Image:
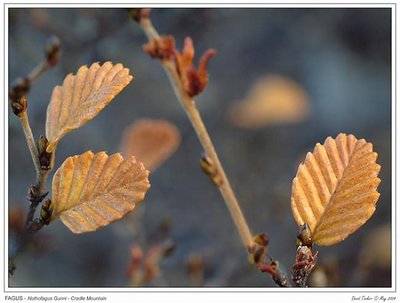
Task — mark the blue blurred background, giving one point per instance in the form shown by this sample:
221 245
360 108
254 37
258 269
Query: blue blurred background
341 57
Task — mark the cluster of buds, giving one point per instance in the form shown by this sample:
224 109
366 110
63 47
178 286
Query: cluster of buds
305 259
21 86
193 80
144 268
305 262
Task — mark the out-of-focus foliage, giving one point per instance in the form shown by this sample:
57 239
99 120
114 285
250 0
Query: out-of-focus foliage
272 100
150 141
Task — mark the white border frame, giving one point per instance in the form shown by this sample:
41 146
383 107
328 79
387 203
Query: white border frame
272 294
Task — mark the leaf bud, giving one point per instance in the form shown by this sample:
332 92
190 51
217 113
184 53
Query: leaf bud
46 212
304 236
261 239
18 90
44 157
52 51
209 168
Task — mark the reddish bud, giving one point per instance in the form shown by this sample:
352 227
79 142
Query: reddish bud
193 80
305 262
162 48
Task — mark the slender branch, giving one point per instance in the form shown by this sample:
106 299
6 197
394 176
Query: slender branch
38 71
23 117
193 114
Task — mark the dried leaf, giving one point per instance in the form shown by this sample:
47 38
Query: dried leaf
272 100
82 97
151 141
334 191
93 190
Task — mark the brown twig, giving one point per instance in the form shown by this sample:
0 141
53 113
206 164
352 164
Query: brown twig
188 103
42 160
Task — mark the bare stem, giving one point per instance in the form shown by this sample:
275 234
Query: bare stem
193 114
38 71
23 117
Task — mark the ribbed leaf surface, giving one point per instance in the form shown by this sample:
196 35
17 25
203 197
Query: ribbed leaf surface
82 97
334 191
93 190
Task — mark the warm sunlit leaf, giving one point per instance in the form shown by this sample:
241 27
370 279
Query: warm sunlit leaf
93 190
81 97
334 191
151 141
272 100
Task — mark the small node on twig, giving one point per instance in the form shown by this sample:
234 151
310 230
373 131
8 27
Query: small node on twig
45 158
272 268
18 90
46 212
52 51
35 195
258 251
209 168
138 14
19 106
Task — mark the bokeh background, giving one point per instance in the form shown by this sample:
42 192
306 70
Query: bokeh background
341 57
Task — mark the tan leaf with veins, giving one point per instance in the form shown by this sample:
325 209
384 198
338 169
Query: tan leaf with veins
92 190
81 97
151 141
335 189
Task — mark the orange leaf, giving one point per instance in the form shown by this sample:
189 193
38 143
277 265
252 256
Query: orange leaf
272 100
151 141
334 190
93 190
82 97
